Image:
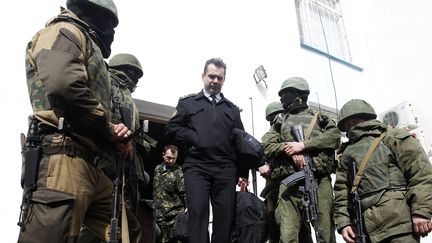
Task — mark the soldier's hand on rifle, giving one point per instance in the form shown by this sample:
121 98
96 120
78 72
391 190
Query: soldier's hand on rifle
292 148
121 132
348 234
264 170
299 161
421 225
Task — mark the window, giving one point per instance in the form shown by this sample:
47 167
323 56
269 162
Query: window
321 28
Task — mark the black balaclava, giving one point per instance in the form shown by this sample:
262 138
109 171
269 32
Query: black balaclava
294 100
132 75
100 22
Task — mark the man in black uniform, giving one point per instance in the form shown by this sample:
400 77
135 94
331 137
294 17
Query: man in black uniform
203 123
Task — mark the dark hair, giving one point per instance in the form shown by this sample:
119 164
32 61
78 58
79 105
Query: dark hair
217 61
171 147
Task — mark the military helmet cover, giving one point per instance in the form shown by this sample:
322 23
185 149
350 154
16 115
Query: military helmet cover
107 5
295 83
124 59
272 108
355 108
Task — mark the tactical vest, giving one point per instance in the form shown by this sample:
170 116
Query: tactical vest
323 161
96 71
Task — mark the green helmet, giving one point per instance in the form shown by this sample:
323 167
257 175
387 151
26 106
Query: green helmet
355 108
273 108
128 60
295 83
106 5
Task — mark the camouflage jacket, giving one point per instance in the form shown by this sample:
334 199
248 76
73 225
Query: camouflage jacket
320 146
168 193
268 137
67 77
121 96
395 185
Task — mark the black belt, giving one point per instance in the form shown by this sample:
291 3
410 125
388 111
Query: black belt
70 150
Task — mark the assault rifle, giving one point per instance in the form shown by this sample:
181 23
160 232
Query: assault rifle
125 114
31 151
309 190
356 211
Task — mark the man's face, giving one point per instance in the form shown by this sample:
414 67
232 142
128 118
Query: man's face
133 74
352 122
213 79
170 157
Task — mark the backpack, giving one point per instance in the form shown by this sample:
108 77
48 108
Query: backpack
250 219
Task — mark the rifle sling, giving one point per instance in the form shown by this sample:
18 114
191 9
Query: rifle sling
369 153
308 132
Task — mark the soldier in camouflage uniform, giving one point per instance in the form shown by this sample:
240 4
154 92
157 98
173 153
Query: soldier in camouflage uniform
287 158
125 70
396 187
168 192
273 112
68 81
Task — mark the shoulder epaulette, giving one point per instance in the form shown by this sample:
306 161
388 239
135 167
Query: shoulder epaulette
238 107
187 96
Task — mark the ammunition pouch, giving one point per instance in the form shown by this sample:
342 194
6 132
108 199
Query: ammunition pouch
324 163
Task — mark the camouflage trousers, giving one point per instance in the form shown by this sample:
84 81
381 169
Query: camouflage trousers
70 192
166 232
290 215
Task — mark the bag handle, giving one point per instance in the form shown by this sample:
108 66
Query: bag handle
243 186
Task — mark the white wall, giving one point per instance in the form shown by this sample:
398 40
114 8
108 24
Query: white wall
389 39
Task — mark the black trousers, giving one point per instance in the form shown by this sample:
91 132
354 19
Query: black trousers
217 183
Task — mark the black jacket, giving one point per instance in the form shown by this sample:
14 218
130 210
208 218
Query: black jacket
205 130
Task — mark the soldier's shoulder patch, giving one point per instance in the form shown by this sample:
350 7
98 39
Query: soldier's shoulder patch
187 96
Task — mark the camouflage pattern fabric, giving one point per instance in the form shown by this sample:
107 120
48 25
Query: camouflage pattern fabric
121 95
321 147
169 197
60 58
395 185
67 77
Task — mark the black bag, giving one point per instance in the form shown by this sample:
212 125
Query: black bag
180 231
250 150
250 220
